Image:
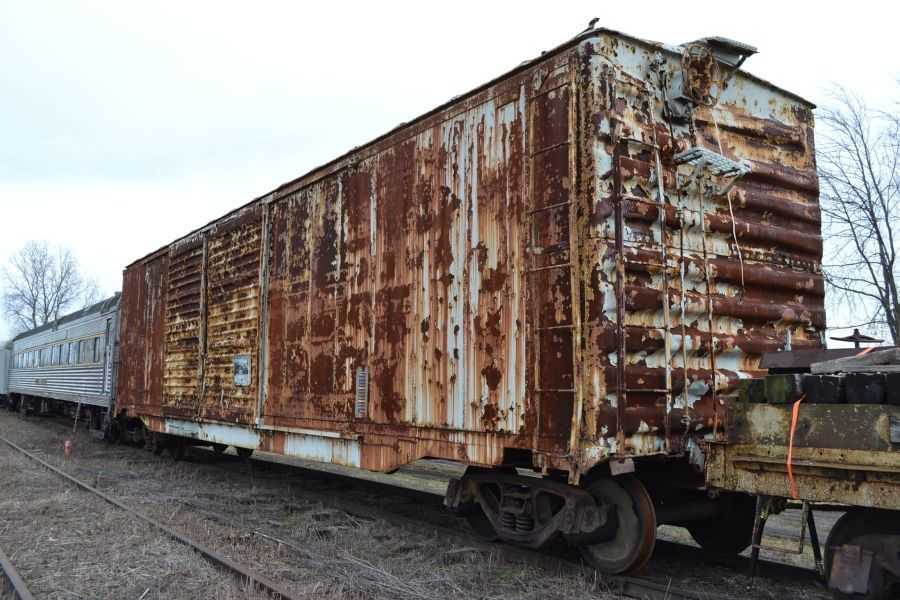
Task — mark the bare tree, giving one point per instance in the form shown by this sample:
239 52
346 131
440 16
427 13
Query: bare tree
41 284
859 170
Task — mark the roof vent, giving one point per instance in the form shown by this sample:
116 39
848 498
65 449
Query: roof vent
729 52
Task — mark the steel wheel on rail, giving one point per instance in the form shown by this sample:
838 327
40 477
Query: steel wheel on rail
114 432
480 525
731 531
635 538
155 443
177 448
873 531
244 453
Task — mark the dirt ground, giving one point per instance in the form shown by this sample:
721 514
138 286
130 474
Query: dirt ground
287 524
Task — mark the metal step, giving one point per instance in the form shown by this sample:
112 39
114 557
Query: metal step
718 165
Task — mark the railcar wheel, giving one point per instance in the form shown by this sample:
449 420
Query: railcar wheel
155 443
480 525
729 532
635 537
244 453
177 448
877 533
114 433
219 449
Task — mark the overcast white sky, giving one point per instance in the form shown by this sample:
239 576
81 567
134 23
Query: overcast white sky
126 124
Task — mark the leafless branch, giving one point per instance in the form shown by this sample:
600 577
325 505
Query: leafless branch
859 171
41 284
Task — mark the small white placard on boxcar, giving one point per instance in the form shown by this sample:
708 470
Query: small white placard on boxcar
242 370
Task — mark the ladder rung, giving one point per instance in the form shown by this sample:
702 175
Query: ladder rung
552 327
640 199
542 251
639 142
549 207
647 390
644 263
547 267
539 390
549 148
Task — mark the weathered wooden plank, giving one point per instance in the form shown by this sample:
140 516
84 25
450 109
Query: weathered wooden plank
782 389
892 389
864 388
752 390
824 389
891 356
868 369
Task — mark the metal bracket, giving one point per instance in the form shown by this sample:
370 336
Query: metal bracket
708 164
851 569
621 466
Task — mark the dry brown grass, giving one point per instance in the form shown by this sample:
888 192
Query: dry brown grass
69 544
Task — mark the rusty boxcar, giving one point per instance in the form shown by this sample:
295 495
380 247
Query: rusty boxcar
565 269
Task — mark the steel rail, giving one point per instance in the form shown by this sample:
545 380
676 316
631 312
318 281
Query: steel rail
19 589
251 576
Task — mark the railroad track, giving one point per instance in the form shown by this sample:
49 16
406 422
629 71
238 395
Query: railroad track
426 510
14 586
242 571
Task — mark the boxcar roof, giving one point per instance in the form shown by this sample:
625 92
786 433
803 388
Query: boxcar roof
101 307
597 32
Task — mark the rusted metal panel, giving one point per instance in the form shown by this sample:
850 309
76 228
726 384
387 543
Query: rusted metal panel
853 478
841 453
232 318
529 266
864 427
139 380
183 327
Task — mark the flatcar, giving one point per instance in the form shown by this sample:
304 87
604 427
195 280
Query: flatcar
823 430
565 270
67 365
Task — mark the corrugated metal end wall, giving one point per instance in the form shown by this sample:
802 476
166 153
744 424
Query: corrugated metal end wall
527 267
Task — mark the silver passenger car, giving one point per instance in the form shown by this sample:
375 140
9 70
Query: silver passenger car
70 360
5 354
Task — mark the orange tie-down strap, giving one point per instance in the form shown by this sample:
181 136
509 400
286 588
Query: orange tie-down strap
795 412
